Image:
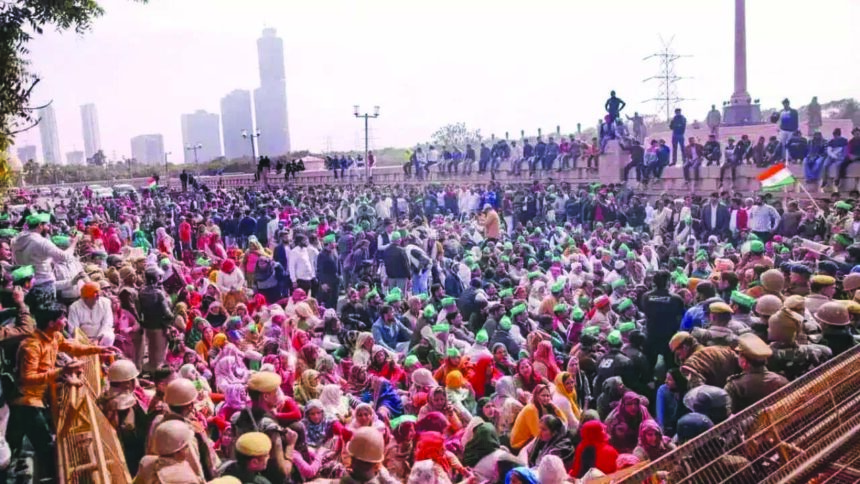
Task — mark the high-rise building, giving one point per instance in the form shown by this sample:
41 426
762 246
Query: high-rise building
50 138
236 116
90 124
270 99
203 129
75 158
27 153
148 149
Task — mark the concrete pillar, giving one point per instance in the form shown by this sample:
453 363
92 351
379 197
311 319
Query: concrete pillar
740 96
612 163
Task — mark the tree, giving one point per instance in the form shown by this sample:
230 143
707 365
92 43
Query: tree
456 135
20 20
98 159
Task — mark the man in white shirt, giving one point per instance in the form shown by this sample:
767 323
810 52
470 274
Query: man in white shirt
383 208
93 315
302 261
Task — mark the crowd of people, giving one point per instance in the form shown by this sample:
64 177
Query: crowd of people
437 333
824 161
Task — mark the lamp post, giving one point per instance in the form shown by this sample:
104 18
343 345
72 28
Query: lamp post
194 148
166 172
366 117
251 136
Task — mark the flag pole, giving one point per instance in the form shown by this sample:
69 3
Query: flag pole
802 187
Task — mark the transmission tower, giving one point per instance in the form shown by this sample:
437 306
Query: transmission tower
667 79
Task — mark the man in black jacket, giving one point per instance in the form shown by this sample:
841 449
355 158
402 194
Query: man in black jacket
328 273
711 151
615 363
663 312
156 317
484 160
637 160
396 262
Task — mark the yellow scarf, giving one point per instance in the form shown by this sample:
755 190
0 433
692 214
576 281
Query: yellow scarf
571 396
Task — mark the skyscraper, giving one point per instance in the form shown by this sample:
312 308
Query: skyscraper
50 139
204 129
235 117
270 99
149 149
27 153
90 124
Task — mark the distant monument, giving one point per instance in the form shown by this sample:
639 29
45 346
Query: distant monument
740 109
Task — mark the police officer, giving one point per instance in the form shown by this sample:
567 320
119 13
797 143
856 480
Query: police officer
722 331
835 327
850 284
173 460
798 280
765 307
822 289
756 382
772 282
615 363
125 412
263 392
789 358
708 365
180 396
252 457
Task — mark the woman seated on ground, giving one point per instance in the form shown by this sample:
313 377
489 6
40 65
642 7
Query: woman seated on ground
652 443
527 424
554 439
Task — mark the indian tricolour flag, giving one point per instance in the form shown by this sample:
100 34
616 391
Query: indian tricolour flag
776 177
151 183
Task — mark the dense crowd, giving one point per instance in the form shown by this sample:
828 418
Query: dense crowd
435 333
824 161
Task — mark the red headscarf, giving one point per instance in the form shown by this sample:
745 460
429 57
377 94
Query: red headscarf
228 266
544 354
479 377
594 434
431 445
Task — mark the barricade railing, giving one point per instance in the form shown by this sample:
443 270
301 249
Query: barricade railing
779 439
88 449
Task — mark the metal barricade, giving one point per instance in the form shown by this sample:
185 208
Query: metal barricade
88 449
782 438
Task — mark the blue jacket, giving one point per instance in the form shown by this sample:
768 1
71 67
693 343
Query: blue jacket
789 120
389 336
678 125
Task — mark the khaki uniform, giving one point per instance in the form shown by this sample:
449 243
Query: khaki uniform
205 459
166 470
713 364
815 301
720 335
750 387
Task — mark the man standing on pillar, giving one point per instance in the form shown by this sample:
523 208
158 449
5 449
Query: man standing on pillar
713 120
678 127
814 116
613 106
789 122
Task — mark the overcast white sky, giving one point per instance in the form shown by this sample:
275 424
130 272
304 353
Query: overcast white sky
496 65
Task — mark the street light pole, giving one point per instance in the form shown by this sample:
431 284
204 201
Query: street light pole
166 172
250 137
194 148
366 117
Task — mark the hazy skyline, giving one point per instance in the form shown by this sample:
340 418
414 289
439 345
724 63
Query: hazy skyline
496 66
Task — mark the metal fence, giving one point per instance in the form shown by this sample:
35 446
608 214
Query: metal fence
88 449
790 436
